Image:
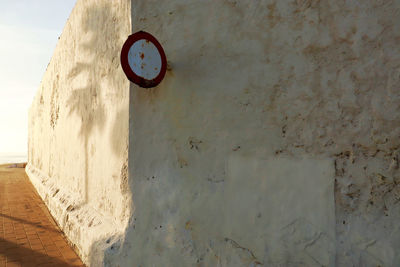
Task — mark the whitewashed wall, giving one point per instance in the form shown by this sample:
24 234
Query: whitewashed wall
78 128
272 141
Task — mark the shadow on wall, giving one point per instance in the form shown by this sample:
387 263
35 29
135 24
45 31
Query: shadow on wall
87 102
96 80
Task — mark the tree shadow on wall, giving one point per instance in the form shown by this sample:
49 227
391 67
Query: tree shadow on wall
95 72
86 101
97 49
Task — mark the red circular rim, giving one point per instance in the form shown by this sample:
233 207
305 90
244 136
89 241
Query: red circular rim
142 82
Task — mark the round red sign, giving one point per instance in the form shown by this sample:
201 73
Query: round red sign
143 60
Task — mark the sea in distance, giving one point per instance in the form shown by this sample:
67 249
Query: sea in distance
13 158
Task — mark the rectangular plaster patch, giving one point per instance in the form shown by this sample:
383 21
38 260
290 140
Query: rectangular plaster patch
287 207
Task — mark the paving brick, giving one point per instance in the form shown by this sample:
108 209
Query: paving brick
28 236
60 243
34 242
73 262
13 264
55 254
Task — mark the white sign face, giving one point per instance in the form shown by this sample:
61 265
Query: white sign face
144 59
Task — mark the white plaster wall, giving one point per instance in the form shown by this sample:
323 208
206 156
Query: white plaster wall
78 128
274 126
273 139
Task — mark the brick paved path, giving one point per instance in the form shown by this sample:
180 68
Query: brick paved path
28 234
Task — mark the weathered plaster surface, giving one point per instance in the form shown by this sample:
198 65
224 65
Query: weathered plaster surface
78 128
273 139
255 90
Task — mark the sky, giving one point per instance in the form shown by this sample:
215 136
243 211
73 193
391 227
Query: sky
29 31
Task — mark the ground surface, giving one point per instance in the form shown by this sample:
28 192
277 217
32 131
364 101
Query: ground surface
28 234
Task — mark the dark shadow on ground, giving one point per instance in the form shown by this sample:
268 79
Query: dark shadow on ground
38 225
26 256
